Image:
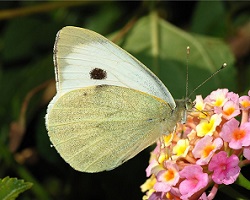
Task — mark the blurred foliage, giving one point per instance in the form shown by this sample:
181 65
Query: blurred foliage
157 33
10 188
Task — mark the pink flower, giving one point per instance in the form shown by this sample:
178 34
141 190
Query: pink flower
226 169
203 196
218 97
194 180
158 196
210 148
167 178
230 110
152 164
233 97
237 137
244 102
205 149
246 152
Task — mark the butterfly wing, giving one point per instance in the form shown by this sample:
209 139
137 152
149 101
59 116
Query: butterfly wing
84 58
98 128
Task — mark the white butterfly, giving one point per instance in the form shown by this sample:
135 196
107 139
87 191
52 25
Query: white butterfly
108 106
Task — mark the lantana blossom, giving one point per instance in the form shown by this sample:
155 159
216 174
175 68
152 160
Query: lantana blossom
217 98
244 102
205 152
237 137
207 127
181 148
167 178
205 149
230 110
246 152
226 169
194 180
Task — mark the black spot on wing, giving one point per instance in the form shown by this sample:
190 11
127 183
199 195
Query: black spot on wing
98 74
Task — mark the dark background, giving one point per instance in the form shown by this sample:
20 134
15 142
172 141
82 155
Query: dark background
27 35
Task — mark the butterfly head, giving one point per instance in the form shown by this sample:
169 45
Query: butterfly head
183 106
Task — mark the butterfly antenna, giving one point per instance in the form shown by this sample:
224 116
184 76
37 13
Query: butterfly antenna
222 67
188 51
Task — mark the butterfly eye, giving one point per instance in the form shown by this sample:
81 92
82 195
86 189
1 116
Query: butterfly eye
98 74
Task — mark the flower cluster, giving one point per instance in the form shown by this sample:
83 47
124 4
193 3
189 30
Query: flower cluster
206 151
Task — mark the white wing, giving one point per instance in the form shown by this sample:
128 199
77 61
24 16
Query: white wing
84 58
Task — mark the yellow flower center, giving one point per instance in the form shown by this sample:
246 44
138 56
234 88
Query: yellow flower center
208 126
218 102
181 147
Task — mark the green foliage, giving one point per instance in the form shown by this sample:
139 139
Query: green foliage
242 181
207 55
211 11
156 33
10 188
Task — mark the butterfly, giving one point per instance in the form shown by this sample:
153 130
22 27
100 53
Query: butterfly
108 106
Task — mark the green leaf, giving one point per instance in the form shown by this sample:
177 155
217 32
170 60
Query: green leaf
10 188
243 182
162 47
104 19
26 78
211 25
26 37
